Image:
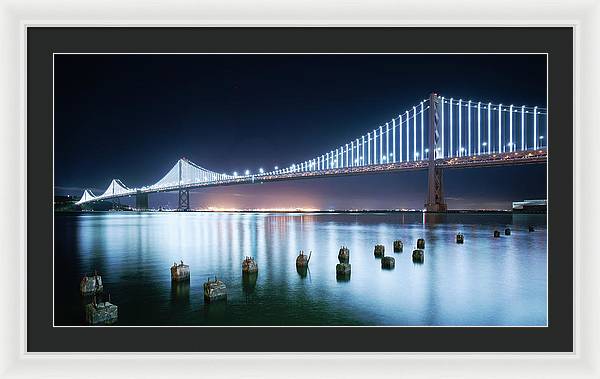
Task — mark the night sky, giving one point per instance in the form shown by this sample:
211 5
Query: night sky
133 116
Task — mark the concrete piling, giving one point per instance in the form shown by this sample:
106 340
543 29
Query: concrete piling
379 251
531 228
496 234
303 259
343 269
420 243
249 266
344 255
388 263
507 232
180 272
91 285
97 313
418 256
460 238
398 246
214 290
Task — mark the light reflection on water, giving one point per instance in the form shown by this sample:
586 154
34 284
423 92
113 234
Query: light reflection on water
486 281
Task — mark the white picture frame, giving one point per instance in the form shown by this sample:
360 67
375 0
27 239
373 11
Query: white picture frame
16 16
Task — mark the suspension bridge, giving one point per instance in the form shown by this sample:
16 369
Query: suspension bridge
436 134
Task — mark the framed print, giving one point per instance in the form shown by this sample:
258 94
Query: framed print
316 244
403 191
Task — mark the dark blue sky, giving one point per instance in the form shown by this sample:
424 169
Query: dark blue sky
132 116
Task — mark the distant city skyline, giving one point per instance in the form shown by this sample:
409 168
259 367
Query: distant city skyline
132 116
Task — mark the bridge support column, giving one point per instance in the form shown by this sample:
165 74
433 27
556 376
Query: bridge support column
184 200
116 203
141 201
435 194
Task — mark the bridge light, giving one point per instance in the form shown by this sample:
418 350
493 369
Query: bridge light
235 173
484 144
247 172
541 137
427 150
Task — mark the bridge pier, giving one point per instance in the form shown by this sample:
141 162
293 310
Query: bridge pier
116 203
435 194
184 200
141 201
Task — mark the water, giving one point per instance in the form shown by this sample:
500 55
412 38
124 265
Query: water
486 281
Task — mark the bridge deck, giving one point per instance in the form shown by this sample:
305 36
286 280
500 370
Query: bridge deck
484 160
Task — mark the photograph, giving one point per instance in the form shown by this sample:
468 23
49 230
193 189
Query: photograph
300 190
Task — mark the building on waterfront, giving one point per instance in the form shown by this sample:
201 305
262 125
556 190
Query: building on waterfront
530 206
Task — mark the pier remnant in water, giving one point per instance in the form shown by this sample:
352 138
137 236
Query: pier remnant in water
388 262
507 232
91 285
302 259
379 251
496 234
460 238
418 255
398 246
531 228
101 313
343 269
420 243
180 272
249 266
214 290
344 255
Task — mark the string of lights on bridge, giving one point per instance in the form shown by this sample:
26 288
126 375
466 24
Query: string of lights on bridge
374 146
464 128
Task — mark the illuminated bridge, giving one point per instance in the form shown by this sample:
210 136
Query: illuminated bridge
436 134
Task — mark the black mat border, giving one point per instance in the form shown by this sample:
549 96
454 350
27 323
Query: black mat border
43 41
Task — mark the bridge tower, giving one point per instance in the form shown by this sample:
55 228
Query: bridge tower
184 193
435 194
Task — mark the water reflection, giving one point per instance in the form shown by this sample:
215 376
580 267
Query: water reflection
302 271
180 292
249 282
485 281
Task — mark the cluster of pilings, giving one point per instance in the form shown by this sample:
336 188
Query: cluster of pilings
104 312
389 262
97 311
508 232
386 262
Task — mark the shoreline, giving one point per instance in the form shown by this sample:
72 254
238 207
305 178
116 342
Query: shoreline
371 211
